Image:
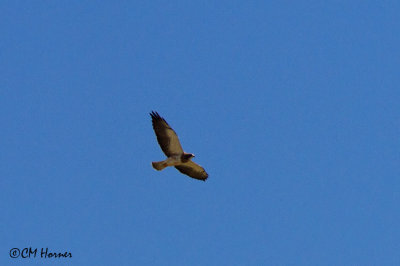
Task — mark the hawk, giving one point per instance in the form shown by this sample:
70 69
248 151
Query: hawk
172 148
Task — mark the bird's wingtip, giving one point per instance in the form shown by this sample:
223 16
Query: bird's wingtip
153 114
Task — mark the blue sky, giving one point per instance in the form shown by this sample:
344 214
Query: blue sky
292 108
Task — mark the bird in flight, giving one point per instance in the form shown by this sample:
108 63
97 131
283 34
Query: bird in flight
172 148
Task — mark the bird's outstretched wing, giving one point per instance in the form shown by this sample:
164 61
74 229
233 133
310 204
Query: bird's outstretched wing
166 136
193 170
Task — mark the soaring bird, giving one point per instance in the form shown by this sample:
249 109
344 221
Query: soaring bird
170 145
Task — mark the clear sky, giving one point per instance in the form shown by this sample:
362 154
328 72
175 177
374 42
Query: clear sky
292 107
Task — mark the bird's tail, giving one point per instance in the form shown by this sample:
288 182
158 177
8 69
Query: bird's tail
159 165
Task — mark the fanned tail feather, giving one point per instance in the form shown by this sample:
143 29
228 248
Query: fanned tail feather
159 165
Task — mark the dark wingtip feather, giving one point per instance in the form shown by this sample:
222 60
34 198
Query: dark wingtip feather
155 115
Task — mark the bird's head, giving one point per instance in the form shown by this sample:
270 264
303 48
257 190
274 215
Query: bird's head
188 156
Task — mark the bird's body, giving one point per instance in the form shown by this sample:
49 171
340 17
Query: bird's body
173 160
172 148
